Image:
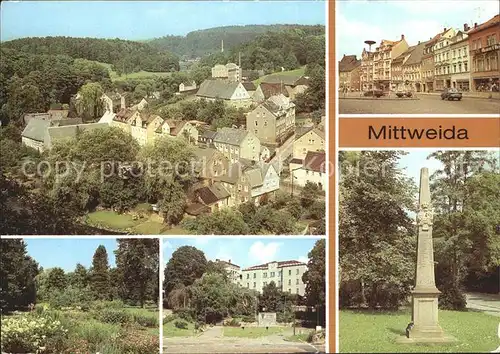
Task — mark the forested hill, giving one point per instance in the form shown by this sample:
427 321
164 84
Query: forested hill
208 41
122 54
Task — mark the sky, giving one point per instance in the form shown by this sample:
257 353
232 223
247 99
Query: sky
65 253
136 20
245 251
419 20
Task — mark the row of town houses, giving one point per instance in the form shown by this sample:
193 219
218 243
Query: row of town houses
467 59
234 165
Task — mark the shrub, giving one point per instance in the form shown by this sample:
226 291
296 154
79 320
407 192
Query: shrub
116 316
185 313
146 319
249 319
70 297
233 322
29 334
286 317
181 324
138 342
115 304
452 298
96 333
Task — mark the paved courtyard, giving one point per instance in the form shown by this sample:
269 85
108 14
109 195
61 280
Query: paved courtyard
213 341
426 104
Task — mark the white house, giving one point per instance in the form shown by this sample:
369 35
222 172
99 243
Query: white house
313 170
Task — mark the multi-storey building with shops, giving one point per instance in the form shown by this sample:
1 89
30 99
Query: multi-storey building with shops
366 70
382 59
460 63
484 48
412 69
442 60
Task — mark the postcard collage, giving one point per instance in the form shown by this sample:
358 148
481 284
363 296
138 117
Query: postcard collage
310 176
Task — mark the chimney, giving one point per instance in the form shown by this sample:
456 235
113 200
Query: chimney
402 36
418 42
475 25
229 261
466 27
217 260
444 29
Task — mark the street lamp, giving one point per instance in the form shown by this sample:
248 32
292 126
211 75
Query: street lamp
370 42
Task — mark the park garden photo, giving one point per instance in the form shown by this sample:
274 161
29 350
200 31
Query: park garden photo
419 251
244 295
79 296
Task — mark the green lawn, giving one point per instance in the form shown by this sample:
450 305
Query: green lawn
251 332
169 330
299 71
111 220
364 331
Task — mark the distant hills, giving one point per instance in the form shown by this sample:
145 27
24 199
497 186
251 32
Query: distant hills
208 41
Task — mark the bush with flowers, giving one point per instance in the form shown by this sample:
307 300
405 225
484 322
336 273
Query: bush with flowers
139 342
32 334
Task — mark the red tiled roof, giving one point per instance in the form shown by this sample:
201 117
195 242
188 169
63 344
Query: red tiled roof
315 161
495 20
281 264
270 89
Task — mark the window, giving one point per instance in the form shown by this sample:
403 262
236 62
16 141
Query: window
265 274
254 285
256 131
256 123
265 283
297 282
254 276
248 276
289 290
289 272
272 275
297 290
289 281
297 272
248 285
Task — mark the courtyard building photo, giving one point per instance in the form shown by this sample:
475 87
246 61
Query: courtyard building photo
241 295
418 251
397 58
75 295
166 129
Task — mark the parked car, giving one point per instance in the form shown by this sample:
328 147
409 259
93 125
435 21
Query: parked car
374 93
401 94
451 94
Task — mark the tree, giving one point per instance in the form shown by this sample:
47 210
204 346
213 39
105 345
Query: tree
17 275
315 275
99 274
56 280
465 219
376 235
185 266
222 222
271 299
137 262
23 98
308 194
89 104
80 279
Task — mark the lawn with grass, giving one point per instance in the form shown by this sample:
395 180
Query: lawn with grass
301 337
373 331
299 71
169 330
251 332
111 220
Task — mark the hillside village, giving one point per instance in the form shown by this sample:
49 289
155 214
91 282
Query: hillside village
248 141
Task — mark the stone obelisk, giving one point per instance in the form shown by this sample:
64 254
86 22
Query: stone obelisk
425 294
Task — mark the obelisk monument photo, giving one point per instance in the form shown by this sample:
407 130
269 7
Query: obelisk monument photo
425 327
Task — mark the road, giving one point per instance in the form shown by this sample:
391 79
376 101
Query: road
487 303
213 341
426 104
